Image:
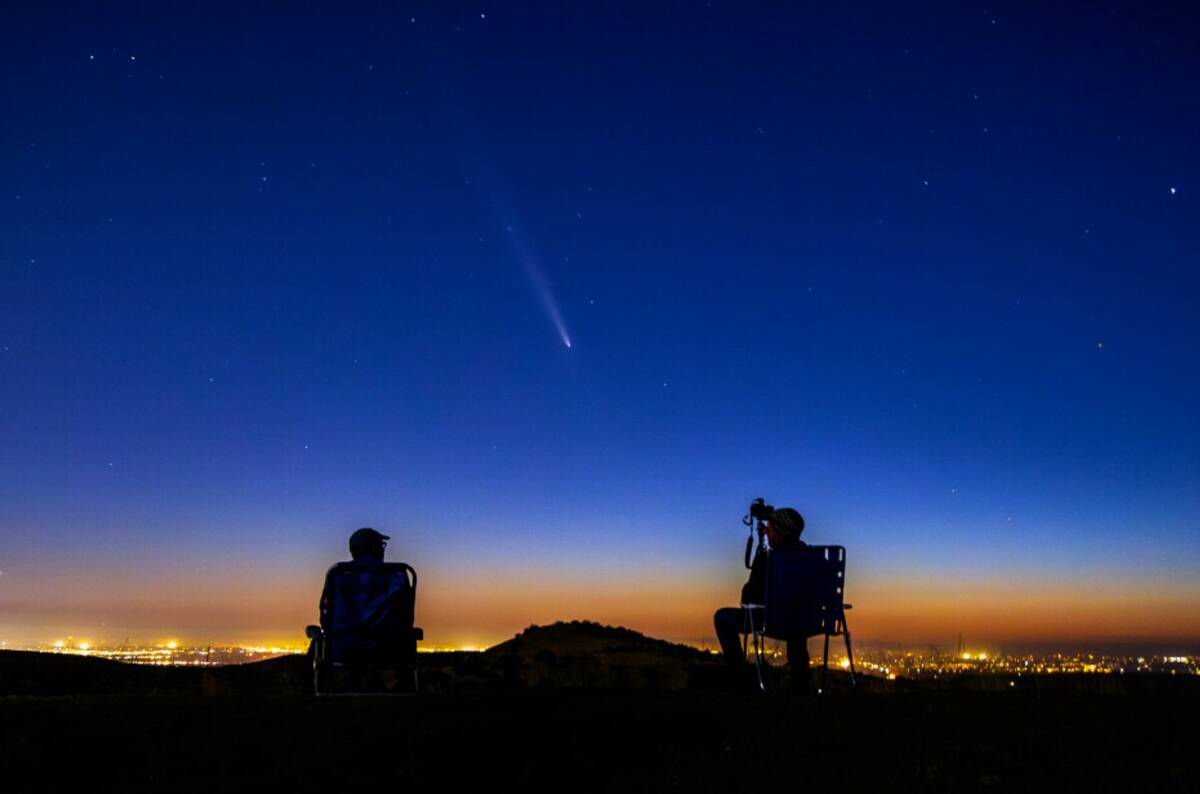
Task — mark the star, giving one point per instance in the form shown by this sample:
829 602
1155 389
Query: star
1173 191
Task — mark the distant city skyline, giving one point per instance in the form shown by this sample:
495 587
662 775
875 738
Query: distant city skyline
550 297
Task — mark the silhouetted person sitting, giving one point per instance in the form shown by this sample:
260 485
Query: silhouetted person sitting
783 528
366 616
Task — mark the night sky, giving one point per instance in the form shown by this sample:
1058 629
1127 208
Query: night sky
549 292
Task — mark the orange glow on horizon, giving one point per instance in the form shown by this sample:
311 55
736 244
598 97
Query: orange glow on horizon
483 609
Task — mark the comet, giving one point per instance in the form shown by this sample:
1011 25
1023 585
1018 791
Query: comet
541 287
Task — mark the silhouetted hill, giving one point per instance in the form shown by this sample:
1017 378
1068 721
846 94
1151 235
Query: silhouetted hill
575 654
585 636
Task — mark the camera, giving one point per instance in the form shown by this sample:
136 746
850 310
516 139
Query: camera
760 510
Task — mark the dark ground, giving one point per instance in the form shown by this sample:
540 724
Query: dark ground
487 725
594 740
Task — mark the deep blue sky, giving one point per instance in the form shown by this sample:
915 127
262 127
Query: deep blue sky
928 275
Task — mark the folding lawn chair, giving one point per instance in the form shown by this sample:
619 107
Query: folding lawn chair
366 643
805 586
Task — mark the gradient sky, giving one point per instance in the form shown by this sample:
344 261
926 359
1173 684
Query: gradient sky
929 276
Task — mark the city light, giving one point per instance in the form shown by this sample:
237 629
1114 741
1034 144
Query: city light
887 663
935 664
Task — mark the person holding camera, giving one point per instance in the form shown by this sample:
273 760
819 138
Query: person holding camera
783 526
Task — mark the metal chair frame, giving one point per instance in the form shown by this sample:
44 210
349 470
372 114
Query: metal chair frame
833 617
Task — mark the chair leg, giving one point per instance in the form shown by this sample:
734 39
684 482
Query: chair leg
849 654
319 677
747 630
752 633
825 666
758 660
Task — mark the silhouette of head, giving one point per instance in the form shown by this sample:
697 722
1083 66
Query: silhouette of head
367 544
787 523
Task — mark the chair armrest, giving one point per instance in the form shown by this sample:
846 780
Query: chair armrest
314 632
847 606
418 633
754 606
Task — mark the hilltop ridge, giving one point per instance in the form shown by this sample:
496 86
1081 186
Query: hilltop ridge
577 653
590 636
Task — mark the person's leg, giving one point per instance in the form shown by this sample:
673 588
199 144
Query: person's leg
797 656
730 623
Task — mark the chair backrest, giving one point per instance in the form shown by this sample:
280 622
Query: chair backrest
370 611
804 592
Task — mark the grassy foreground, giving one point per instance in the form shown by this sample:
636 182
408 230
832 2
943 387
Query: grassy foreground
597 740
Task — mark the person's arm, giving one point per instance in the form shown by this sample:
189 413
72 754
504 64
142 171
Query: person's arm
753 590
